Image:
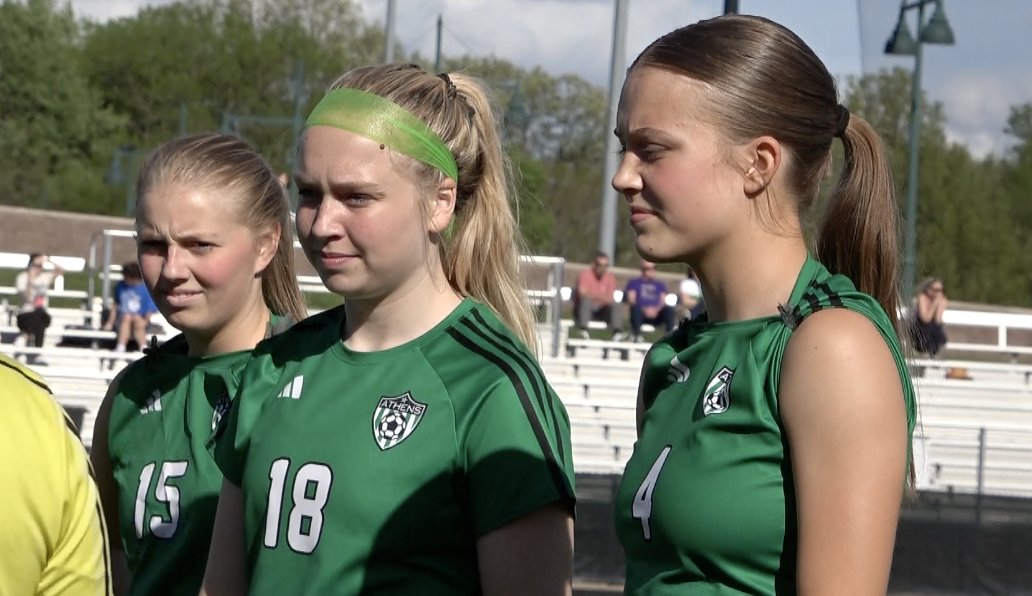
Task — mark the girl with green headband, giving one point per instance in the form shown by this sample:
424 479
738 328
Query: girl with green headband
405 442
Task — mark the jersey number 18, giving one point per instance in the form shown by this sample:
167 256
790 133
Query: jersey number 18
310 492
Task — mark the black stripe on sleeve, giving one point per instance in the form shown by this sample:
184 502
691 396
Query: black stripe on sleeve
812 302
521 391
28 378
108 589
530 369
833 297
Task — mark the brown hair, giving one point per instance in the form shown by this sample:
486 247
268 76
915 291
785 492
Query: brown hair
245 180
769 82
481 252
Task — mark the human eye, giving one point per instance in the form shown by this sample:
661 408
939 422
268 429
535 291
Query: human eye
200 246
650 153
358 199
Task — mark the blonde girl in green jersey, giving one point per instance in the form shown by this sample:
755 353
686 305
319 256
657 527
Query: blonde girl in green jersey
773 431
405 442
215 248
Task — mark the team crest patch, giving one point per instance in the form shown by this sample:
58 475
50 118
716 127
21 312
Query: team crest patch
395 419
716 398
220 410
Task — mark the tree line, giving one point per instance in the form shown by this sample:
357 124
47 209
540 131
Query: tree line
82 102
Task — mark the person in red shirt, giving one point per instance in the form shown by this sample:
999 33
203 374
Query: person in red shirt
593 298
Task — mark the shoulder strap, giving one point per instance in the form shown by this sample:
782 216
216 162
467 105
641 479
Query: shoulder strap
818 295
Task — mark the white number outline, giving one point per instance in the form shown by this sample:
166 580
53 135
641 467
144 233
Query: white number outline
163 493
641 506
302 506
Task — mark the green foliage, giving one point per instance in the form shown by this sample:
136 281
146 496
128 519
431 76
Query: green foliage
559 151
55 132
77 98
1019 123
257 67
970 231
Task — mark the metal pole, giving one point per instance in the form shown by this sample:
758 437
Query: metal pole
981 472
182 118
437 51
607 219
910 217
295 122
105 290
388 42
557 304
730 6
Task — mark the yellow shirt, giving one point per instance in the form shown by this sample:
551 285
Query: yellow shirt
52 534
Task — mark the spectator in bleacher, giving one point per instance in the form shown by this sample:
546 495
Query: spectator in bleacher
215 251
33 285
594 297
927 330
52 539
773 430
415 415
646 297
132 309
691 303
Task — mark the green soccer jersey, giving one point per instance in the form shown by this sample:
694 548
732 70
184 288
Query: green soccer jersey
162 420
376 472
706 502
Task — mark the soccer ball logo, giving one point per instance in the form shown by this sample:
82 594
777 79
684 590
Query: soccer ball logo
395 419
392 426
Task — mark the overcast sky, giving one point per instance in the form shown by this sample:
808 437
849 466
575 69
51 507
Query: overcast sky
977 80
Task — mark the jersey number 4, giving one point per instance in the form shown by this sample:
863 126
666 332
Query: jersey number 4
165 493
310 491
641 508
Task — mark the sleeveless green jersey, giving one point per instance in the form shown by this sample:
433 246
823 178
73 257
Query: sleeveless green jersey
376 472
706 503
161 448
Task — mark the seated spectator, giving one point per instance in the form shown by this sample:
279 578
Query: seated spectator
646 297
593 298
132 309
927 331
691 302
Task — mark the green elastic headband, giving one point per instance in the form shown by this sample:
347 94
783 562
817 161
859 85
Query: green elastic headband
383 121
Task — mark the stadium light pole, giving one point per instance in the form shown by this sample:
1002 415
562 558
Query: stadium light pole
901 43
388 34
116 173
617 68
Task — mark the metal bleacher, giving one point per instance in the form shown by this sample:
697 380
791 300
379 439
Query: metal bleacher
974 434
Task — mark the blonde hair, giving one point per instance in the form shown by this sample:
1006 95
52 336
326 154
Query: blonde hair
251 189
480 253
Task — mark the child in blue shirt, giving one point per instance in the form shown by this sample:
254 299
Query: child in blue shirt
132 309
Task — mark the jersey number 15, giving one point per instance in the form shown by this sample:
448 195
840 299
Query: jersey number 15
164 493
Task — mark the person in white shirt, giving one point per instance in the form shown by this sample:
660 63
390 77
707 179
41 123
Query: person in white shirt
33 285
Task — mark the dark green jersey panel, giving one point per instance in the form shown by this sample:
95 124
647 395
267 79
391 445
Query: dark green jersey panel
375 473
706 503
162 458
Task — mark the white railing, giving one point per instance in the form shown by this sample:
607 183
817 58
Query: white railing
1001 322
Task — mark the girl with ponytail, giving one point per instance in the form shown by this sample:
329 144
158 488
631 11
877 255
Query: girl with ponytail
405 442
216 252
778 465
